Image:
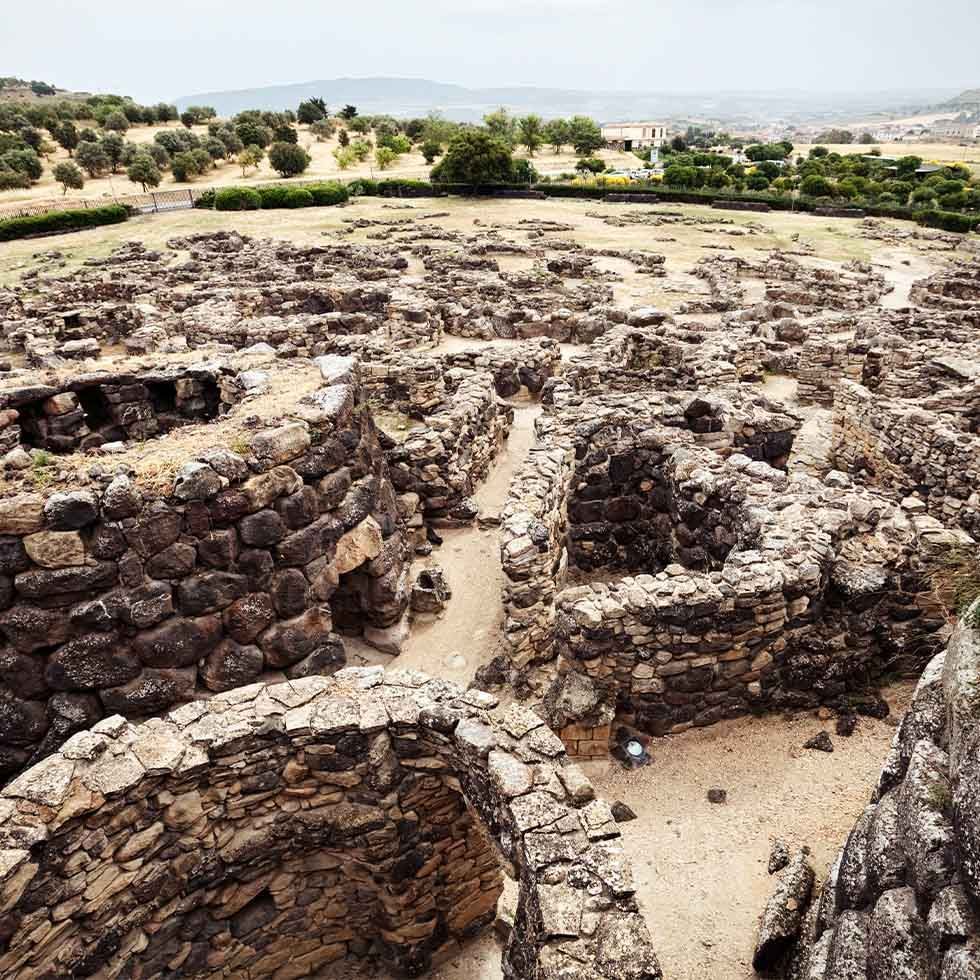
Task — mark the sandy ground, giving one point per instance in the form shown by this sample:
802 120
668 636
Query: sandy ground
901 267
466 635
700 868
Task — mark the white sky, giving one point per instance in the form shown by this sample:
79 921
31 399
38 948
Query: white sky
161 51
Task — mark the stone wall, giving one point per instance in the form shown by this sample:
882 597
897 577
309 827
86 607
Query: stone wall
781 593
632 357
274 830
908 447
901 901
592 494
955 289
120 598
533 551
444 460
100 407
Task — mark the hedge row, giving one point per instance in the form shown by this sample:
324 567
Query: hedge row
949 220
395 188
54 222
274 196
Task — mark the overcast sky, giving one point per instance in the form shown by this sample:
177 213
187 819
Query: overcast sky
161 51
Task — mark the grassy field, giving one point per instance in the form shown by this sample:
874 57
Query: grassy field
323 165
930 152
682 244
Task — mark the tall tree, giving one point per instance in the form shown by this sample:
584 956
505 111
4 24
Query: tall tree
475 158
531 128
585 135
556 132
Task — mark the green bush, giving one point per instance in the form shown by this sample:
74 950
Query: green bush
298 197
273 196
206 199
363 187
288 159
400 187
11 180
329 192
948 220
237 199
58 221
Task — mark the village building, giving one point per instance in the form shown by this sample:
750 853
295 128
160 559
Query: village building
634 135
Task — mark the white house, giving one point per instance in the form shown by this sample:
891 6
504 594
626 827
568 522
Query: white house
957 128
634 135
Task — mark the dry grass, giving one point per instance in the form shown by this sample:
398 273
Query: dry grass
930 152
955 581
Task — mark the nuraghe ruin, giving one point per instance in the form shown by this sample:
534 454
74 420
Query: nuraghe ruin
226 466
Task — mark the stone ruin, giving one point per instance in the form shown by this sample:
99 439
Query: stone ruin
276 829
129 597
715 583
201 787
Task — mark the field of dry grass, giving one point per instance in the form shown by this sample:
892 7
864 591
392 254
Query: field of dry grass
323 165
682 243
930 152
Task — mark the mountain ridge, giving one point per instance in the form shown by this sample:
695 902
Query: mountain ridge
418 96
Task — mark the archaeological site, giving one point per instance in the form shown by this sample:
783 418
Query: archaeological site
480 588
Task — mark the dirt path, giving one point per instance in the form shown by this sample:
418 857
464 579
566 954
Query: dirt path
901 267
700 868
466 636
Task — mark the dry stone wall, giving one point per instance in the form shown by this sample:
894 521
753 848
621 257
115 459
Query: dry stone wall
274 830
94 408
779 593
121 599
592 493
444 460
909 448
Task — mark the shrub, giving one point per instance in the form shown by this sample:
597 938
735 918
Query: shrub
329 192
273 196
24 161
185 166
298 197
345 156
116 121
54 222
205 199
948 220
288 159
13 180
250 157
384 157
69 176
816 186
396 187
236 199
363 187
323 129
592 165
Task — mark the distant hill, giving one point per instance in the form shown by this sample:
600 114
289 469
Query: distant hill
965 100
416 97
21 90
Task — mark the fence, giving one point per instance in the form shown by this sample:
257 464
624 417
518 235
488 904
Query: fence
151 203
